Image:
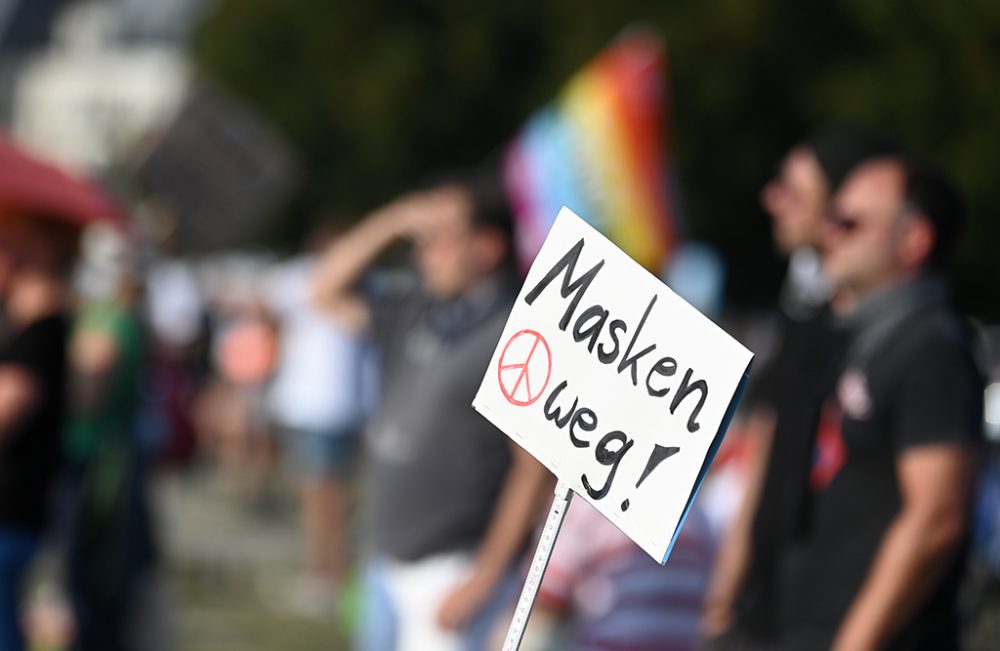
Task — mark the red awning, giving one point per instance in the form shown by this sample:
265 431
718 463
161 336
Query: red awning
32 187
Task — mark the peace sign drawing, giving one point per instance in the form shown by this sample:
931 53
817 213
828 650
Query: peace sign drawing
525 367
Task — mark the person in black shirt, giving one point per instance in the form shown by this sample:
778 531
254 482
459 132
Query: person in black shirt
32 380
743 604
881 555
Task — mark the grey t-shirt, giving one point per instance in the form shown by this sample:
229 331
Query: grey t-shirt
435 466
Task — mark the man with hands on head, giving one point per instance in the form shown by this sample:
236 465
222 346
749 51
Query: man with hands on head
450 502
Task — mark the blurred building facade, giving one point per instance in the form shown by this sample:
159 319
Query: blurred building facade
107 88
85 81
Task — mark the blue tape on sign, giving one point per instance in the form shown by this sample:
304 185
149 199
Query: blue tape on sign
716 443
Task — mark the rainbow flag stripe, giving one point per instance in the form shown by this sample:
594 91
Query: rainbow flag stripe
599 149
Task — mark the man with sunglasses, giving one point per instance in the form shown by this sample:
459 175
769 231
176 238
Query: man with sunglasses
885 521
743 605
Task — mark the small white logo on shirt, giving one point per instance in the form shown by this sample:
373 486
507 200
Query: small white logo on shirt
390 444
853 395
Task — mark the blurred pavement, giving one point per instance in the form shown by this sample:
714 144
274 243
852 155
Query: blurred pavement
230 564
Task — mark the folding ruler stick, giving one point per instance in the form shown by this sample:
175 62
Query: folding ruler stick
543 552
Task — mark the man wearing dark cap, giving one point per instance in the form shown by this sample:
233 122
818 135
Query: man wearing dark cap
879 556
742 610
798 201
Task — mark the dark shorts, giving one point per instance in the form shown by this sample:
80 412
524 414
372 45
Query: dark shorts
325 453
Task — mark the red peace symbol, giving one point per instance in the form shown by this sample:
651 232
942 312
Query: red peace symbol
525 367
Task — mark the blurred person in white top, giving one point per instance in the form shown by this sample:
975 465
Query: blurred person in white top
319 399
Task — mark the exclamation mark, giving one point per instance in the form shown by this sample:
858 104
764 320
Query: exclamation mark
658 455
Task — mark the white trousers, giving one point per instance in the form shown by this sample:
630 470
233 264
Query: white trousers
418 589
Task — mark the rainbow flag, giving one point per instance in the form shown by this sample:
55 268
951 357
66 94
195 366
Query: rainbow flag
599 149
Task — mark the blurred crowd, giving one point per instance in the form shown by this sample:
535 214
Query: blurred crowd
852 507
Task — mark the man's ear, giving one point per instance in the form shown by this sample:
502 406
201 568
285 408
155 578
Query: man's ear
918 242
490 248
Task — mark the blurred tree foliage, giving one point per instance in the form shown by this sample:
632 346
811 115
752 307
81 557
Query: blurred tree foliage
376 95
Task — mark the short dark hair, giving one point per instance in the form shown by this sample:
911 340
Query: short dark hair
491 211
489 206
484 188
842 146
931 194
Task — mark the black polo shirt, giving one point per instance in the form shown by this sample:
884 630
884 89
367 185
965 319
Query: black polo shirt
801 375
29 452
920 386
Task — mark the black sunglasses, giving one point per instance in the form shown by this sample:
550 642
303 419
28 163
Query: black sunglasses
843 223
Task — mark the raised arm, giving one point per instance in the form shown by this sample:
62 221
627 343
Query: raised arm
344 261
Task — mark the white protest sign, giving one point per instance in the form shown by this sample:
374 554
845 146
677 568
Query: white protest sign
615 383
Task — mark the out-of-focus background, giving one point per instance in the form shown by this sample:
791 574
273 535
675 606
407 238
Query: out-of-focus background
230 134
365 98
